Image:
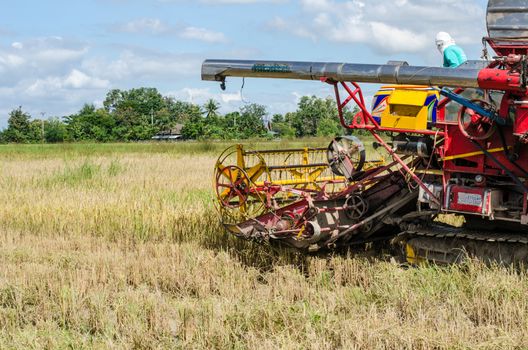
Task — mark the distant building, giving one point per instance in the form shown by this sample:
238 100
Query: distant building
172 134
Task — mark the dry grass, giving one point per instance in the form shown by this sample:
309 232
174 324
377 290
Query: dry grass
103 248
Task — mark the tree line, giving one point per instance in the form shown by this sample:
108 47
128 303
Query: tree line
139 114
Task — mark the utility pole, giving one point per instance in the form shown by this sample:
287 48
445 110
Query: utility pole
42 114
151 117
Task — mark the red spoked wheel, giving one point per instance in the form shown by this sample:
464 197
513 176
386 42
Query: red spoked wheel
474 126
232 186
238 198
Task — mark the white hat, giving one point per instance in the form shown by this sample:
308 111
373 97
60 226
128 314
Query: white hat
443 40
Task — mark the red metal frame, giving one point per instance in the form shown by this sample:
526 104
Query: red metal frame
356 95
505 47
455 143
368 121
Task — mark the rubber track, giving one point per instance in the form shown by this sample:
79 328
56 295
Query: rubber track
447 244
441 231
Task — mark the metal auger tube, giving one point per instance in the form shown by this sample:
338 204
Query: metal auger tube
400 73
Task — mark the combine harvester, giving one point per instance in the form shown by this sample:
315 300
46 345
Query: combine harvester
447 154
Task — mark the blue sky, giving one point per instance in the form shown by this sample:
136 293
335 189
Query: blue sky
56 55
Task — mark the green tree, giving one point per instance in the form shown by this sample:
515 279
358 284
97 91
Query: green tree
180 111
230 124
55 130
251 121
91 124
20 129
277 118
311 110
36 133
211 108
194 126
283 129
136 112
213 128
329 127
143 101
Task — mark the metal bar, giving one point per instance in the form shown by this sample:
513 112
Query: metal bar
471 154
411 131
525 203
441 104
219 70
360 102
340 106
297 166
515 179
517 27
371 176
469 104
331 209
290 150
511 9
333 180
406 168
378 213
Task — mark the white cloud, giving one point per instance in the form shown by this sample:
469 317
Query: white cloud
74 80
155 26
194 95
79 80
228 101
11 61
229 2
144 25
39 58
147 65
228 98
282 24
316 5
46 74
387 26
240 2
57 55
202 34
392 39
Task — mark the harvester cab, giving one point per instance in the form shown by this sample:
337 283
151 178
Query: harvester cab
456 143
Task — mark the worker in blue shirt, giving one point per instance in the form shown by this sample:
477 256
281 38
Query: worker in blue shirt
454 56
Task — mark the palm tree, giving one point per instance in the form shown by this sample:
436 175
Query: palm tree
211 108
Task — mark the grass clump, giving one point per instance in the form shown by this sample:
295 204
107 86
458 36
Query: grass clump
85 173
73 174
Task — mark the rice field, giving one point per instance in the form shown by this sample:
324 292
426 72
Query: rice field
118 246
